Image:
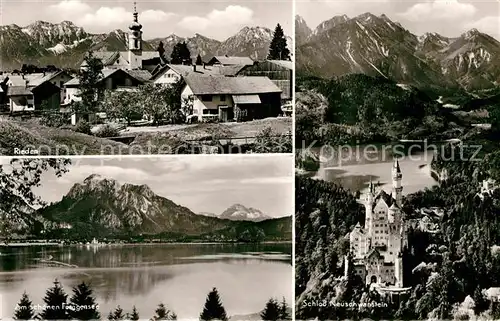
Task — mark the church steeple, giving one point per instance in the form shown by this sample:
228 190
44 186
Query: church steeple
397 189
135 42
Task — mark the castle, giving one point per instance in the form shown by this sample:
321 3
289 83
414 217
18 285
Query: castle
376 249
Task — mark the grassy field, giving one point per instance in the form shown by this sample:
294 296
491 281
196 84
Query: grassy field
26 135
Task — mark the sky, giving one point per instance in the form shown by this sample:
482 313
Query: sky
218 19
447 17
201 183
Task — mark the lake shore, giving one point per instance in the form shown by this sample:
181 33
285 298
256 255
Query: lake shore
43 243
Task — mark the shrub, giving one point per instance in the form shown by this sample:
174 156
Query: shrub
107 131
53 120
83 127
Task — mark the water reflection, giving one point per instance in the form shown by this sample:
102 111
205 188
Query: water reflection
180 275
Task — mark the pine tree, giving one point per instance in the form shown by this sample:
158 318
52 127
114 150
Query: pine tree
284 310
88 78
55 301
213 309
111 317
278 48
180 54
135 314
163 314
199 61
82 297
118 314
24 309
271 312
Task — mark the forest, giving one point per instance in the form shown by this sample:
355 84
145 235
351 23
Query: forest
357 108
448 272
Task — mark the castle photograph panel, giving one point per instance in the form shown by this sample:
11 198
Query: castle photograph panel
168 238
397 158
80 77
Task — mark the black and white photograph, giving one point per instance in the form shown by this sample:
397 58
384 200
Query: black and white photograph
397 137
82 77
172 238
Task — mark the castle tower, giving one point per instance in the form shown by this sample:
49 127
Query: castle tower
398 269
135 43
397 189
369 198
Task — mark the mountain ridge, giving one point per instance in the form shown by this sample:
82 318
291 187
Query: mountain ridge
100 207
375 45
64 44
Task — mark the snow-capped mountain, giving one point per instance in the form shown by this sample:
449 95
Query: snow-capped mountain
65 44
238 212
378 46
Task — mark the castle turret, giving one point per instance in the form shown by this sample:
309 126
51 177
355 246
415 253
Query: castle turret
135 42
398 269
397 189
369 198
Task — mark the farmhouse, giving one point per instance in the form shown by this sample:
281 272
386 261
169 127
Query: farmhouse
112 79
232 98
27 92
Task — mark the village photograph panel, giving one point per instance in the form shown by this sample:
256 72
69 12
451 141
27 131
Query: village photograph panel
397 160
171 238
82 77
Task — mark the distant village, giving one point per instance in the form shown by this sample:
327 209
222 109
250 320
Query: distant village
222 89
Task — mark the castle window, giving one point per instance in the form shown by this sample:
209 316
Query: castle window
136 43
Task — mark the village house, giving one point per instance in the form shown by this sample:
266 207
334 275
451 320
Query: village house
169 74
279 71
230 61
29 92
112 79
231 98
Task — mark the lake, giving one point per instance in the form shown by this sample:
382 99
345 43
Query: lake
178 275
354 168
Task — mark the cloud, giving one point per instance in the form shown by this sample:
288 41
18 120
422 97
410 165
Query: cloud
103 17
440 10
229 18
489 25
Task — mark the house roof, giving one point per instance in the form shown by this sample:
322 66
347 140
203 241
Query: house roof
388 199
283 63
140 74
32 80
18 91
234 60
211 85
110 57
185 70
105 74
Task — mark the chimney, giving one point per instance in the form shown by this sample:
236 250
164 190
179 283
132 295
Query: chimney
194 67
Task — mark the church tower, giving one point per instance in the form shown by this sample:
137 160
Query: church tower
397 189
135 43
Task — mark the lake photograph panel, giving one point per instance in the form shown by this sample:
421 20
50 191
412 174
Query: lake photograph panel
146 236
86 77
397 160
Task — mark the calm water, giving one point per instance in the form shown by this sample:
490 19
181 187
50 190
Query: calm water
178 275
355 168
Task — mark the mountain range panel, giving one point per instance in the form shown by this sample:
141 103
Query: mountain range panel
65 44
101 207
377 46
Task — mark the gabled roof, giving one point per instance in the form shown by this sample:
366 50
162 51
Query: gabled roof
140 74
234 60
32 80
105 74
373 253
184 70
211 85
18 91
387 198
